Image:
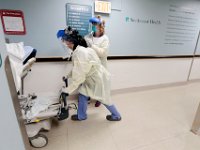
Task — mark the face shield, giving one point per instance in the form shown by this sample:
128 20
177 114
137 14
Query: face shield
67 52
94 22
94 28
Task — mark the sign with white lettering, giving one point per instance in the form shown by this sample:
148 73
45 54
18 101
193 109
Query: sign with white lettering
103 7
13 22
78 17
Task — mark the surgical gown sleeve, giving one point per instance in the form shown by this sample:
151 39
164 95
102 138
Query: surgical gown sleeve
101 50
79 71
88 39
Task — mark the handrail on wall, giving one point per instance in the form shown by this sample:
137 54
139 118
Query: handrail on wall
60 59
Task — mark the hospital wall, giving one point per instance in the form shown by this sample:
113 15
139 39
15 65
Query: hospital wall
44 18
128 74
128 38
11 138
195 71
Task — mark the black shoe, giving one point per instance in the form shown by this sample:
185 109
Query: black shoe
109 117
89 100
64 114
75 118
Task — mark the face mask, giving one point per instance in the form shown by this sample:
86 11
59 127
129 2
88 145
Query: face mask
94 28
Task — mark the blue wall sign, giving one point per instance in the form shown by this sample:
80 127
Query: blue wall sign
78 17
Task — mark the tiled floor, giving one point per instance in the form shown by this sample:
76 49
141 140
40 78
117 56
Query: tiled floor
158 119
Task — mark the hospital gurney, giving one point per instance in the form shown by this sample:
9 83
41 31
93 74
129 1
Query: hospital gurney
37 110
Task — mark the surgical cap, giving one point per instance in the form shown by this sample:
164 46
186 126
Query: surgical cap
95 20
60 33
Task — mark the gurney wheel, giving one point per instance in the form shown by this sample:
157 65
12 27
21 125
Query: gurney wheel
38 141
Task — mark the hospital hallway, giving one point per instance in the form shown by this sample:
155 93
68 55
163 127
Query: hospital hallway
153 119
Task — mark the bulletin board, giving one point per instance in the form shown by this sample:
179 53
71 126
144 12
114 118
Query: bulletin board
13 22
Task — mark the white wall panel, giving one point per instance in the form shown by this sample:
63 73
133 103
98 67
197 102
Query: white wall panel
195 72
147 72
47 77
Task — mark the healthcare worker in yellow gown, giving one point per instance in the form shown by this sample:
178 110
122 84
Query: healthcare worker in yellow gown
98 41
89 76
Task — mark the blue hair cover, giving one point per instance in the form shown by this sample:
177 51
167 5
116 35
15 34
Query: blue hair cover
60 33
95 20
